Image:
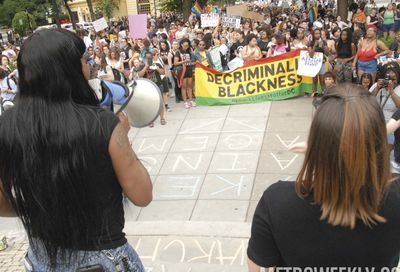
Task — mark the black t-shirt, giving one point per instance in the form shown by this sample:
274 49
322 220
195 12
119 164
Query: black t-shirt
185 56
153 74
396 116
237 46
287 232
263 45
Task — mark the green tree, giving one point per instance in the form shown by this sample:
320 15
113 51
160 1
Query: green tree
39 8
343 9
23 22
185 6
65 2
106 8
172 5
90 6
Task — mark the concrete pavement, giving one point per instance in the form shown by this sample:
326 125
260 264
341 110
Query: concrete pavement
209 167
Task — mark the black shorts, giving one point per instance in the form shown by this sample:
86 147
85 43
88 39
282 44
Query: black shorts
188 72
164 85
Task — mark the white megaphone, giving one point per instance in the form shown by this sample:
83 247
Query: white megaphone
140 100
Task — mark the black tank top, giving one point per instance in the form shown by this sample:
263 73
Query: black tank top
373 18
107 192
344 51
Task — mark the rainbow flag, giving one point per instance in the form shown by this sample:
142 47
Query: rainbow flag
215 9
196 9
313 14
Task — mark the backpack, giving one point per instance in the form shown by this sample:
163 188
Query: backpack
113 92
8 83
118 76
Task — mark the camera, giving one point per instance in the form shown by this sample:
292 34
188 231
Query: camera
386 81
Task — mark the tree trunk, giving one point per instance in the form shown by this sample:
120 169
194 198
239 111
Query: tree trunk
70 14
343 9
90 5
55 13
186 9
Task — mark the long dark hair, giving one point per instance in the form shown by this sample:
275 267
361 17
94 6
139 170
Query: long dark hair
345 46
45 144
184 40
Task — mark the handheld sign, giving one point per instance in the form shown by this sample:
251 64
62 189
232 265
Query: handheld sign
310 66
138 26
231 21
100 24
209 20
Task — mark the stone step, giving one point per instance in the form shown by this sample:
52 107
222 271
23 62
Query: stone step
188 228
190 246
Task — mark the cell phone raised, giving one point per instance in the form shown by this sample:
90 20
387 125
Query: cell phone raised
91 268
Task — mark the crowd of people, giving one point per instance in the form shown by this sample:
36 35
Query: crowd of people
359 44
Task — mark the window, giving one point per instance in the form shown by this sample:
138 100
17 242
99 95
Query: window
143 8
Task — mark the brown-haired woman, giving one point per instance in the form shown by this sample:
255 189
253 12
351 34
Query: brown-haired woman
104 71
343 205
115 60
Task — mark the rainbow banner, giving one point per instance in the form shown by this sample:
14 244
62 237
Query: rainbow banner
196 9
268 79
313 14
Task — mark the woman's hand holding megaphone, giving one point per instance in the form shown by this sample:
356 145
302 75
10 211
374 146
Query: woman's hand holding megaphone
124 121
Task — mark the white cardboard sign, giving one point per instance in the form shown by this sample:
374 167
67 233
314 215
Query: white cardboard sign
310 66
100 24
209 20
231 21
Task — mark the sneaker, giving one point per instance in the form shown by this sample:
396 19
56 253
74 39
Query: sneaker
193 103
187 105
168 109
177 100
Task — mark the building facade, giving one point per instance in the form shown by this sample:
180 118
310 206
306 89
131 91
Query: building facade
80 10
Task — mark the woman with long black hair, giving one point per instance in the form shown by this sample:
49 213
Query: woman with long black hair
345 52
65 163
183 63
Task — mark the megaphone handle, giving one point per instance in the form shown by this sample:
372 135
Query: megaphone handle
127 99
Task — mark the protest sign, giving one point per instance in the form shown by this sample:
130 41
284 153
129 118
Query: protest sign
253 15
231 21
122 34
241 10
209 20
237 10
310 66
216 58
268 79
100 24
138 26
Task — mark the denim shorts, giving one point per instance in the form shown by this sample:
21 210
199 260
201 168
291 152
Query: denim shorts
370 67
124 257
387 28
